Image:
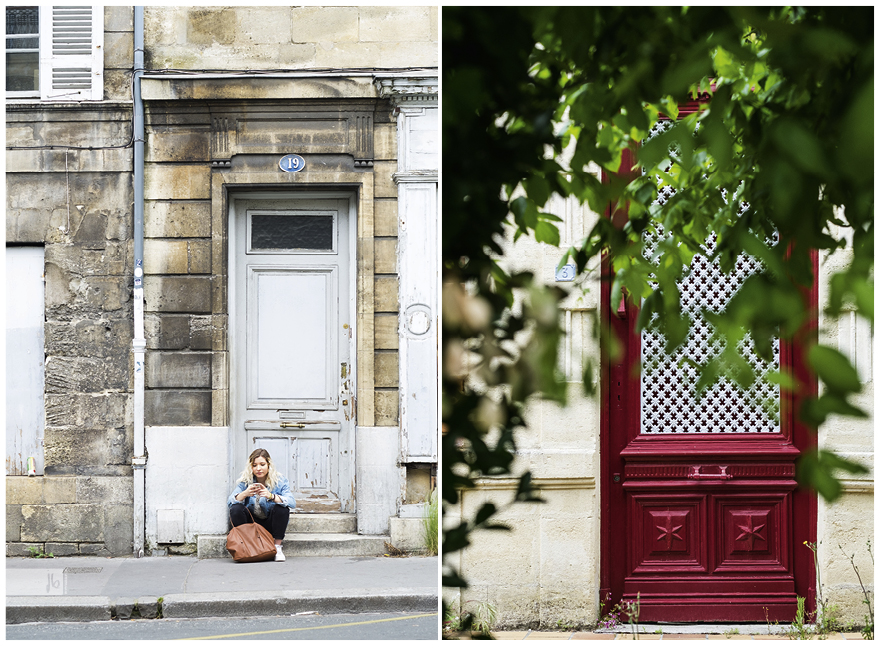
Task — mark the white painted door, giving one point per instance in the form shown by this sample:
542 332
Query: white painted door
291 371
25 358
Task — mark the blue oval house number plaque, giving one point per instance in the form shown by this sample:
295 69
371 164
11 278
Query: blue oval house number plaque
292 163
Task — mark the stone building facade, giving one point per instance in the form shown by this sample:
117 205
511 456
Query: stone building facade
546 571
317 342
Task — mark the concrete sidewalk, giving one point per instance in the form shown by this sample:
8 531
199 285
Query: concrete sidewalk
98 588
715 635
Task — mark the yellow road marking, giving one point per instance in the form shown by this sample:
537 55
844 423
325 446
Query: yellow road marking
304 629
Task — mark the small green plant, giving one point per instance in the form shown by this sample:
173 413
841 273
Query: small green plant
479 619
631 610
658 631
734 631
799 629
868 629
36 551
431 523
451 619
827 616
611 618
483 617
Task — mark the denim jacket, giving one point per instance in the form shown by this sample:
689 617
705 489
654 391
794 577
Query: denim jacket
282 489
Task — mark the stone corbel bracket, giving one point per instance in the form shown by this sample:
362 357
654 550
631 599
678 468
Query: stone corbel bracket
221 146
363 140
408 91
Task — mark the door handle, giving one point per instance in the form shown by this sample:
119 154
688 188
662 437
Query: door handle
293 425
696 473
621 308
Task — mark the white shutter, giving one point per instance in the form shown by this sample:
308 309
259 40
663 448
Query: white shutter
71 53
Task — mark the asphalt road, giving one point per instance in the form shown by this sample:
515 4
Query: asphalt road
403 626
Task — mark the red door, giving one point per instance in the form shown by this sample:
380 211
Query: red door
701 517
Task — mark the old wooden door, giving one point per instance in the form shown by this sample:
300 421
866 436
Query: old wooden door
292 375
701 517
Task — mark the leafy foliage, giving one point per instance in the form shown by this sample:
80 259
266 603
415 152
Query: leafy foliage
777 162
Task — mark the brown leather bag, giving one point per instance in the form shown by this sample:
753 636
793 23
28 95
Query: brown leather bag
250 542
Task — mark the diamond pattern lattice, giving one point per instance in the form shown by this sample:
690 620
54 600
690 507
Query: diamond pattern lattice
669 403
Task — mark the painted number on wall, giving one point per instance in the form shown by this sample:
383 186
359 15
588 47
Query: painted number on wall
292 163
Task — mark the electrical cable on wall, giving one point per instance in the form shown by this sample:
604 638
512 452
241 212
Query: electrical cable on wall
67 174
231 73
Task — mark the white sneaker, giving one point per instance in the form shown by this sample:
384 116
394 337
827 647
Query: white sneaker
279 554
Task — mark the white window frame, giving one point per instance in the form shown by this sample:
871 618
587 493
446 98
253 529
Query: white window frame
69 45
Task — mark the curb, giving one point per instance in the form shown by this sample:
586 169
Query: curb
284 603
84 609
56 609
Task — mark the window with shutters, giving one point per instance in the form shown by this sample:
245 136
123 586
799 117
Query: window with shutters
55 53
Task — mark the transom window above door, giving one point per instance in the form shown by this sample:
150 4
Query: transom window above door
314 231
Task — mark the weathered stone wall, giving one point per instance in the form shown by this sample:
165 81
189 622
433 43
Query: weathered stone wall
237 38
68 515
77 203
118 52
846 526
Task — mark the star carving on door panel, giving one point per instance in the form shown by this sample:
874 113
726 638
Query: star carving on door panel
669 531
750 531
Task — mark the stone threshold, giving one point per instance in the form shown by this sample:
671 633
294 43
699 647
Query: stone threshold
659 632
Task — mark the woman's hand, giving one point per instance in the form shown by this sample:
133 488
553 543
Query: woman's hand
249 491
266 493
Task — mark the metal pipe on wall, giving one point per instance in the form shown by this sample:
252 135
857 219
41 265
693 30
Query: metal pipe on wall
139 343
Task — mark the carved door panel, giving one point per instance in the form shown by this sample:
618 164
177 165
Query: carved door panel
702 519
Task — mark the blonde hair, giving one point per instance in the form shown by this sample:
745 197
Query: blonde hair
247 476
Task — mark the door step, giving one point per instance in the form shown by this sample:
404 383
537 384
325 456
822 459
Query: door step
322 523
307 545
312 535
334 544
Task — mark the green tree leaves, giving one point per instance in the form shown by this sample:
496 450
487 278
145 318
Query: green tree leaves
777 162
820 471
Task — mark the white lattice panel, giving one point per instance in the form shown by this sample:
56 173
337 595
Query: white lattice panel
669 403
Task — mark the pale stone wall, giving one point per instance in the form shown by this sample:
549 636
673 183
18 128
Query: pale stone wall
237 38
545 570
846 526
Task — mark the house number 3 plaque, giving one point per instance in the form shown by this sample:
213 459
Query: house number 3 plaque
292 163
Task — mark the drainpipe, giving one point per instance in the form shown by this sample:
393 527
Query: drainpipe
139 343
